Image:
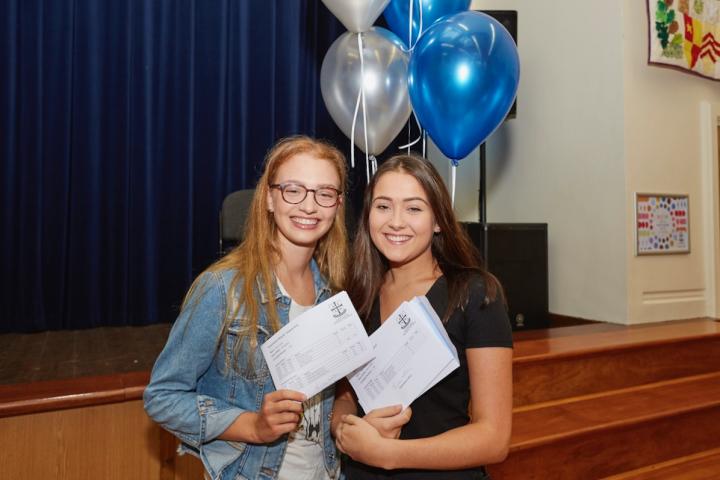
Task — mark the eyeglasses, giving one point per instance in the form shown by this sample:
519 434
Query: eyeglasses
294 193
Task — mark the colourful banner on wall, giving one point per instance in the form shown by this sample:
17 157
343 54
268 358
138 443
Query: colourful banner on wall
685 34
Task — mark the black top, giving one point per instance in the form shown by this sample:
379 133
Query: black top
445 406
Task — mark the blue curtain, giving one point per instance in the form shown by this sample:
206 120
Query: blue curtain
123 125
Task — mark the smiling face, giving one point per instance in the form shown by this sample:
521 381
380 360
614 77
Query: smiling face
304 223
401 220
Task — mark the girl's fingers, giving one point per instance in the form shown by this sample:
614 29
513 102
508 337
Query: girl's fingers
351 419
401 419
279 395
282 418
390 411
276 406
287 406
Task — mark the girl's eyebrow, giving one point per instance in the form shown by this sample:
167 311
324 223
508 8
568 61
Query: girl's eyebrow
303 184
404 200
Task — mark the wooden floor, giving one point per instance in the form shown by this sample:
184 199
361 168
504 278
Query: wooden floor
590 401
67 354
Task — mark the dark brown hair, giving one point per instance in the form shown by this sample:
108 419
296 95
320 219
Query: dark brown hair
452 249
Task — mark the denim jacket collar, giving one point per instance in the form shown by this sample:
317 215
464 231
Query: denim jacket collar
321 286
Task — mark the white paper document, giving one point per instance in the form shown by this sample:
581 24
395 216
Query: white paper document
318 348
412 353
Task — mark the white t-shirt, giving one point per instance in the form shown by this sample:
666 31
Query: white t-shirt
304 457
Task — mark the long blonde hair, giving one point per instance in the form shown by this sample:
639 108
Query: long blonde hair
256 256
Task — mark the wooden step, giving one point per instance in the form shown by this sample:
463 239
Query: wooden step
596 358
700 466
603 434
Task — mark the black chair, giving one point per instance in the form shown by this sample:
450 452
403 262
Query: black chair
233 213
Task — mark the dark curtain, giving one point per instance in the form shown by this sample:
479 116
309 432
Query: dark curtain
123 126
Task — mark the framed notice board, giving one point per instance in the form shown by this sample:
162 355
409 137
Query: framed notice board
662 223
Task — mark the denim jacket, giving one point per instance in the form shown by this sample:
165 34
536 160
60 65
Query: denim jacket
194 396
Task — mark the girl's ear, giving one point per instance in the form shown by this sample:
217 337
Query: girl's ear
270 205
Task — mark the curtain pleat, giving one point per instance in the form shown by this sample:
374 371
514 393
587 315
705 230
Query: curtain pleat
123 126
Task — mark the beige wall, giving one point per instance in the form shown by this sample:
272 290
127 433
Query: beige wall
561 160
595 125
664 153
710 119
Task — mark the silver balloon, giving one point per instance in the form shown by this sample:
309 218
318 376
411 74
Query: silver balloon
356 15
385 83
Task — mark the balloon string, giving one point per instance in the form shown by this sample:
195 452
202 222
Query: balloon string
420 136
420 23
352 130
410 8
453 171
410 144
364 105
360 97
410 44
352 138
424 146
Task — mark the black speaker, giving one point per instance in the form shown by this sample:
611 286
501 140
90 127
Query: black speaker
508 19
516 253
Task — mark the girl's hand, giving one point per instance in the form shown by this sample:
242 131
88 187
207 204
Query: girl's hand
357 438
279 414
388 421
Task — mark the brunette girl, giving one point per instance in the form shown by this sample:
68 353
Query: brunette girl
409 244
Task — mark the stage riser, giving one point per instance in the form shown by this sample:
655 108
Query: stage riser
616 450
549 379
702 466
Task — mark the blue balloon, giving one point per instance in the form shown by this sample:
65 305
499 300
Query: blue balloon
397 15
463 77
